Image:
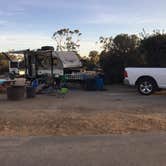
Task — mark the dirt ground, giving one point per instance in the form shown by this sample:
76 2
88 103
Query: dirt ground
117 110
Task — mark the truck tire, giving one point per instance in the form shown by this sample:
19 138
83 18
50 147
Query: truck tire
146 86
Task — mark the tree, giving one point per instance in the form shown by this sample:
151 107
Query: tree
125 43
67 40
153 49
94 57
86 63
119 52
106 43
92 61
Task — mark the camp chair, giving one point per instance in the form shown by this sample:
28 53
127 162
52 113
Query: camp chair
62 92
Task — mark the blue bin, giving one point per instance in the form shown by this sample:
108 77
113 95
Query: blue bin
35 84
99 84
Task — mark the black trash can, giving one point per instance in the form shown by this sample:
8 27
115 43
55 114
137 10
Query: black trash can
30 92
90 84
16 92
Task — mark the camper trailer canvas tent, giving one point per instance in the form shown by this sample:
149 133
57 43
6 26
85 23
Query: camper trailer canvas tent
68 59
55 63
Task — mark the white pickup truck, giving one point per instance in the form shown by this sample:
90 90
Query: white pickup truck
147 80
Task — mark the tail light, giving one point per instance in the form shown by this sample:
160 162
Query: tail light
125 74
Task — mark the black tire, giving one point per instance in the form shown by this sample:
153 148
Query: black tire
45 48
12 75
146 86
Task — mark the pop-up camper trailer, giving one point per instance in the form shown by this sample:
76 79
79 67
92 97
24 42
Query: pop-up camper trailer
48 62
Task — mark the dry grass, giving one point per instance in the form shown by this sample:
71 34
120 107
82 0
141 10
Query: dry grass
116 111
82 124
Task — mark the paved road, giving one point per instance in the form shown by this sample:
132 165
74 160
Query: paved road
135 150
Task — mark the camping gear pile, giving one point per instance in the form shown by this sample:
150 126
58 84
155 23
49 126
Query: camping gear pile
19 89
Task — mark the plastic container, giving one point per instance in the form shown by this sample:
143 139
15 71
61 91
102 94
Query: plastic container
16 92
35 83
30 92
99 84
90 84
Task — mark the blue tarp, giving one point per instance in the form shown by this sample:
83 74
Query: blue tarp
2 81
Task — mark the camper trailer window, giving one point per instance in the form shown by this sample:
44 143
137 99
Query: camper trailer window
22 65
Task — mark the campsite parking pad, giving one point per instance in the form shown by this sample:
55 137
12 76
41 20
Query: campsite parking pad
117 110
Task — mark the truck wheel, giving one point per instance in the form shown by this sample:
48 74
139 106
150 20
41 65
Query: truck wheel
146 86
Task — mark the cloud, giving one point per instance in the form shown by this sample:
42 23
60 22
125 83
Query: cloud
119 19
89 5
11 9
33 41
24 41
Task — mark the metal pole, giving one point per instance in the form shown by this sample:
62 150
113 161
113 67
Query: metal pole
52 69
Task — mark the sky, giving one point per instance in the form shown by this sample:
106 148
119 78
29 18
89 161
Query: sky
31 23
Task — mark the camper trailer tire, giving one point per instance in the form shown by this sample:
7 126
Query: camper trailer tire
45 48
12 75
